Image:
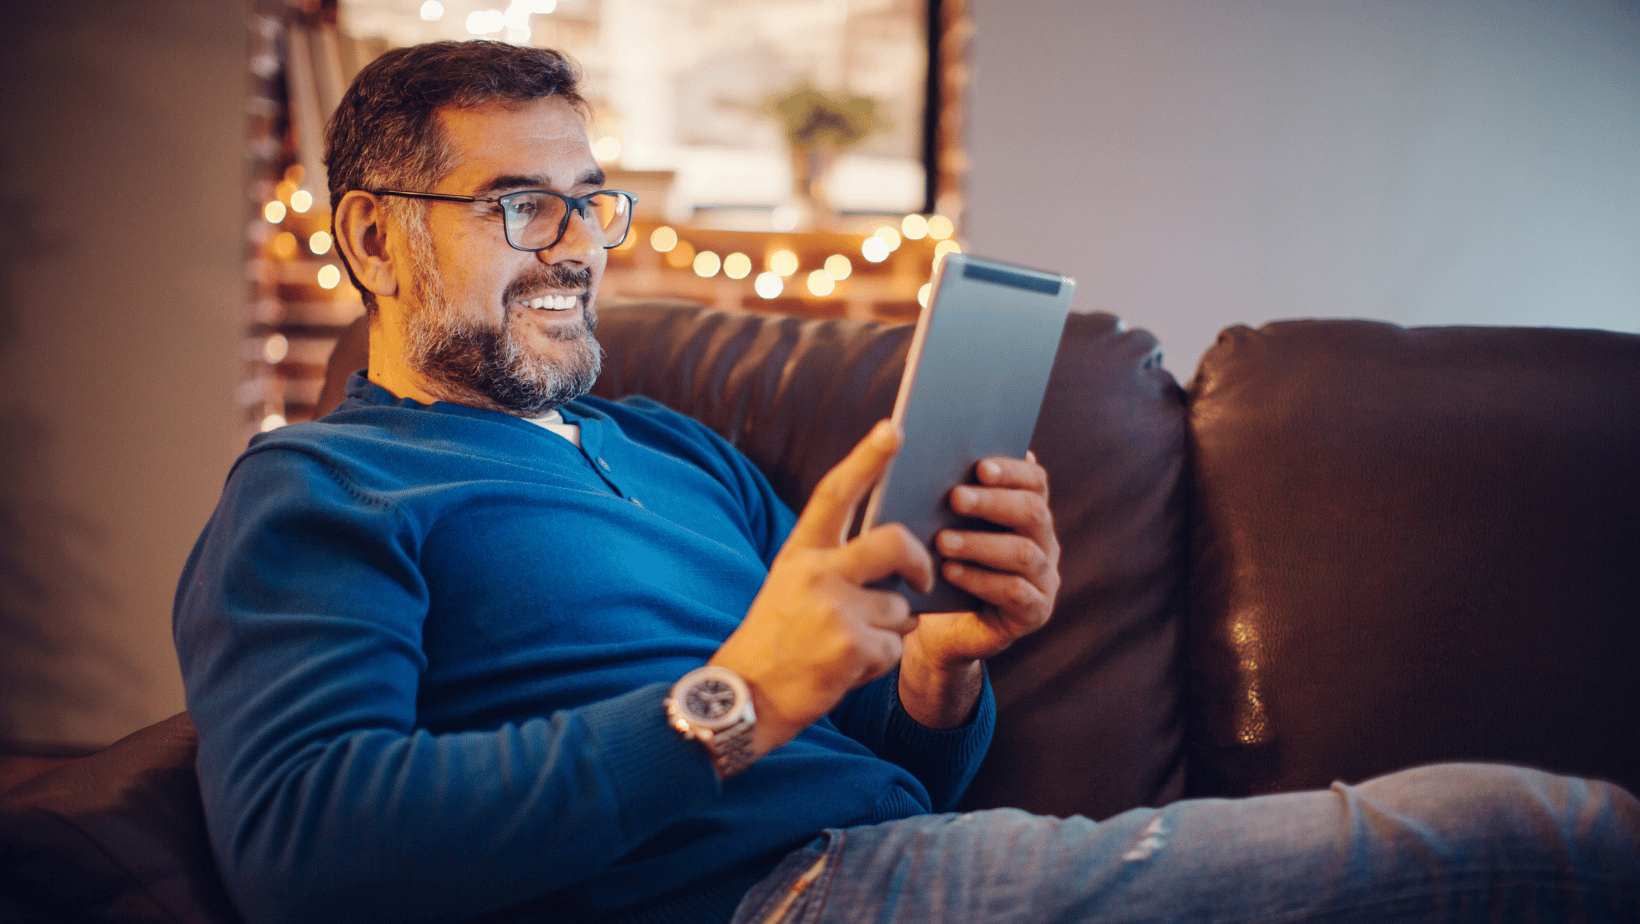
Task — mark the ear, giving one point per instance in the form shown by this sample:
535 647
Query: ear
361 234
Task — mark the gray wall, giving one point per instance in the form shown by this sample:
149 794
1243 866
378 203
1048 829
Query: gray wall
1198 163
122 215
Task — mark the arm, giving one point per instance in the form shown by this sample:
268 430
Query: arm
299 627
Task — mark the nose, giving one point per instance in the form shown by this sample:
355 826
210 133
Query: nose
582 242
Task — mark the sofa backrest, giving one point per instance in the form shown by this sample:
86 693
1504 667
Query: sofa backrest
1413 545
1090 707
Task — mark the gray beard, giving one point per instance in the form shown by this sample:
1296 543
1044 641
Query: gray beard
469 362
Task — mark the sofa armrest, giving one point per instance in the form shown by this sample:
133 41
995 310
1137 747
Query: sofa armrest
1413 545
116 836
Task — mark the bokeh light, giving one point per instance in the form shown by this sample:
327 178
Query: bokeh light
275 348
838 267
284 245
821 283
783 262
707 264
681 256
737 266
769 285
329 276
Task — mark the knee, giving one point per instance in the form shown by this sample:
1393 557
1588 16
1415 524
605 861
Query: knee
1492 809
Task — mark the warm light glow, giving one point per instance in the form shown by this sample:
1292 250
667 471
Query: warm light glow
838 267
301 200
284 189
272 422
681 256
874 249
922 293
940 227
606 149
821 283
663 239
784 217
783 262
274 211
275 348
888 236
432 11
737 266
486 22
329 276
943 248
284 245
769 285
707 264
320 242
914 227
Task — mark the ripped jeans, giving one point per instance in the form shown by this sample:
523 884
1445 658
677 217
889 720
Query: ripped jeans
1455 842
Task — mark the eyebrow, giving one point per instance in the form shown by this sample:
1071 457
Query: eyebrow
594 177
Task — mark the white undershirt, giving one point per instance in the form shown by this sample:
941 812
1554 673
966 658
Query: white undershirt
554 421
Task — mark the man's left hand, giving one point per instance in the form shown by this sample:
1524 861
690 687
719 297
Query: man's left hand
1015 573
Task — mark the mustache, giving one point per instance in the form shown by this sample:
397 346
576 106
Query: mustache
546 277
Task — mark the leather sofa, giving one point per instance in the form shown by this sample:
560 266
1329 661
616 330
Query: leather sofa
1346 548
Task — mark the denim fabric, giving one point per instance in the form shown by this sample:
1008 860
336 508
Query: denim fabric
1456 842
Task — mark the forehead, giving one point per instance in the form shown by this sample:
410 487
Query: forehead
542 138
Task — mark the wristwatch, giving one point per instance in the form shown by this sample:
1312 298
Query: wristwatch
714 706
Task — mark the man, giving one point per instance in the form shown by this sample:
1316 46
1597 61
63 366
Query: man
476 644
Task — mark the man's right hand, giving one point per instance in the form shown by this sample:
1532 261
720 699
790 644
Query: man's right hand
815 631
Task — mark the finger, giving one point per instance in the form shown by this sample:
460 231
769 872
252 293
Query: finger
884 551
1002 552
1004 472
883 611
1024 605
1020 510
831 508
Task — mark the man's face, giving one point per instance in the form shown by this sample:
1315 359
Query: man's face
489 325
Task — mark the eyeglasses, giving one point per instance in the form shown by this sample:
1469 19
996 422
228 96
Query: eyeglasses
536 219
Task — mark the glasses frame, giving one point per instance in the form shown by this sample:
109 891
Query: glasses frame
572 204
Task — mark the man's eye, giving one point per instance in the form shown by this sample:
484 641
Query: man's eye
525 208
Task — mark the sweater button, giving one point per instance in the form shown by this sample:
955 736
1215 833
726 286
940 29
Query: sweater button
638 502
604 464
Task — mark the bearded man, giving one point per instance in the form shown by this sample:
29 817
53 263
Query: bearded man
478 645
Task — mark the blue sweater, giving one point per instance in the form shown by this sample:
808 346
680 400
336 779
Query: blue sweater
426 648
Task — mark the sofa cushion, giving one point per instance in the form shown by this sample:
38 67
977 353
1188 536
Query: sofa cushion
116 836
1090 706
1413 545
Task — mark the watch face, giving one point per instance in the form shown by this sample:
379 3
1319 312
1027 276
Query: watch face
710 699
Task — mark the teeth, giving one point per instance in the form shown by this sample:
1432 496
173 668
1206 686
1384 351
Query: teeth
552 302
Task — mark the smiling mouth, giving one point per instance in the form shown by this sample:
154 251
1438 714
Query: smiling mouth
552 302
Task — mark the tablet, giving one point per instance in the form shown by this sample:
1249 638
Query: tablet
973 384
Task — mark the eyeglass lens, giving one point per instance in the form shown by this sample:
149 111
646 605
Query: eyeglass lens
536 219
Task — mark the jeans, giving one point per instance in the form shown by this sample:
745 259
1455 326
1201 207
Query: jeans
1455 842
